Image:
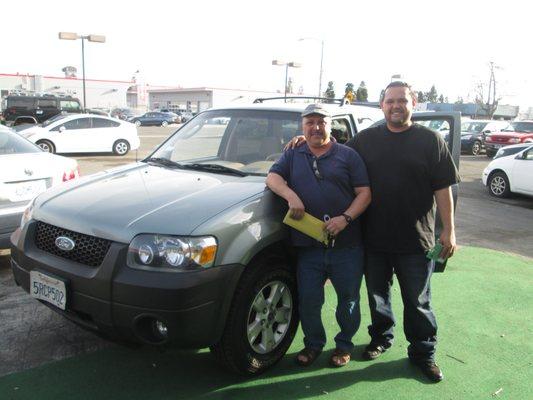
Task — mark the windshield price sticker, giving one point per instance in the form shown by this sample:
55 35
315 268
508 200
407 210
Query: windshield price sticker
46 288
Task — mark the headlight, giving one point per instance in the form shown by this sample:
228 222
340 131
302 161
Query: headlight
27 214
172 253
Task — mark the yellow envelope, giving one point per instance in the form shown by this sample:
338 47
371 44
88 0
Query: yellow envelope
309 225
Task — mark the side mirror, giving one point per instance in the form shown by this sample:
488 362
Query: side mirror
62 129
521 156
486 131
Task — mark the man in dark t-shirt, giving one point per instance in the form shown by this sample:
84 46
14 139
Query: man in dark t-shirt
329 181
410 168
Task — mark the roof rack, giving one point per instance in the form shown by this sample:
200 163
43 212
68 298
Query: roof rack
341 102
33 93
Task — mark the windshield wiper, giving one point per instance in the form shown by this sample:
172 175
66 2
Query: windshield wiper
164 161
216 168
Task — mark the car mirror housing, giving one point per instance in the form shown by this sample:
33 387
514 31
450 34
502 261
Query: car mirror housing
62 129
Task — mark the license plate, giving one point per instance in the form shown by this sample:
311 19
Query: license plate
49 289
22 191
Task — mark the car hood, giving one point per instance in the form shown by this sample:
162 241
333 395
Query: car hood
143 199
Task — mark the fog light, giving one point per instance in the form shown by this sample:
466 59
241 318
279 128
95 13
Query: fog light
161 328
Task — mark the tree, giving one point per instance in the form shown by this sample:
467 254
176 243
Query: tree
421 97
441 99
459 100
432 95
362 93
489 106
330 91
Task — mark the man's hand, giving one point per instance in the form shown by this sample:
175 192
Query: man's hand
447 239
335 225
295 142
296 207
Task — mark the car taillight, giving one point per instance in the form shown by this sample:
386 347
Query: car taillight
71 174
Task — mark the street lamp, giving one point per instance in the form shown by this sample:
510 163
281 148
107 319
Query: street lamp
321 61
90 38
287 65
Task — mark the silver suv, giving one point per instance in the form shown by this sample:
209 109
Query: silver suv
185 247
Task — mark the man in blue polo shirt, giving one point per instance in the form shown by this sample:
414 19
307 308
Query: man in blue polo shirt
329 181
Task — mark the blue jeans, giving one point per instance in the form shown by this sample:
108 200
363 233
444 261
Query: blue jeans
413 272
344 267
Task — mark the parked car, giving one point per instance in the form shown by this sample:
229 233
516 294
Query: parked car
25 172
511 149
84 133
21 123
41 107
185 116
474 132
122 113
515 132
156 118
186 247
510 174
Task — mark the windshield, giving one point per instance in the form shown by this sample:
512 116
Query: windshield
12 143
473 127
526 127
245 140
55 118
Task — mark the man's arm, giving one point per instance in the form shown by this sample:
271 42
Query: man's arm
278 185
362 199
444 200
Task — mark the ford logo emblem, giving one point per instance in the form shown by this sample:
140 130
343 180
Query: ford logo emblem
64 243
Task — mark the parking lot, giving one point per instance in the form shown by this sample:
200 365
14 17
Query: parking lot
34 335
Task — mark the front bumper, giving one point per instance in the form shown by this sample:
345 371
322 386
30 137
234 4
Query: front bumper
123 303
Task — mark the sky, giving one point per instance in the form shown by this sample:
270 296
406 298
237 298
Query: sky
231 44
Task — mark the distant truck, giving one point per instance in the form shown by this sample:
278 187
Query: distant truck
39 106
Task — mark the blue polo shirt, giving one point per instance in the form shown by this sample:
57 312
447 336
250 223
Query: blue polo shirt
340 170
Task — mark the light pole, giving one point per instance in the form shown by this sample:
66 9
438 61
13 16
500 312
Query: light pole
287 65
321 61
90 38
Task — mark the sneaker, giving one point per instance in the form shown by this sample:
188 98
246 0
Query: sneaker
430 369
373 351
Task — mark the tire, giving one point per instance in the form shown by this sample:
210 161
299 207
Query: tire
476 148
121 147
46 146
253 318
498 185
138 123
164 124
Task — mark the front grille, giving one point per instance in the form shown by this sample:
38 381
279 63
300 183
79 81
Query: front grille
88 250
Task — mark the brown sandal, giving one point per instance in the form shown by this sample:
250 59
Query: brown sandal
339 358
310 356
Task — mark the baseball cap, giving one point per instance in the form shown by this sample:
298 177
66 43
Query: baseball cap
316 109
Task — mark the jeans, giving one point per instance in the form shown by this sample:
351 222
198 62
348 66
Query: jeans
413 272
344 267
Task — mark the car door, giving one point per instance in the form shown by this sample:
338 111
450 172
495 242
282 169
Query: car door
73 136
522 173
104 133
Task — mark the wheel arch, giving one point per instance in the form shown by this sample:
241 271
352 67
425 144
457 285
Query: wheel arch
46 139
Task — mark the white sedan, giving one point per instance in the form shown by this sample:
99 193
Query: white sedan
84 133
510 174
25 172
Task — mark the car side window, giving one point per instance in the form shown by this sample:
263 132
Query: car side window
79 123
104 123
46 103
528 155
340 130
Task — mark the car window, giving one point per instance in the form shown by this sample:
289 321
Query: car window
20 102
71 105
340 130
12 143
250 140
103 123
528 155
521 127
473 127
55 118
46 103
78 123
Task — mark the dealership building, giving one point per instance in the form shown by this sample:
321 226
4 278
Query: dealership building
108 94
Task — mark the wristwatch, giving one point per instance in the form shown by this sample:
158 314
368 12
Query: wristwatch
347 218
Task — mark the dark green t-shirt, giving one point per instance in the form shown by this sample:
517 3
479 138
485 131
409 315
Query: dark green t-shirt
405 169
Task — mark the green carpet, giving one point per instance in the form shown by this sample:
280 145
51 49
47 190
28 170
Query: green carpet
484 308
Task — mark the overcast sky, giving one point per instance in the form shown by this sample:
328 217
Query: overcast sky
231 44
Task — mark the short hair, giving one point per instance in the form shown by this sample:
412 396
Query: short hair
399 84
